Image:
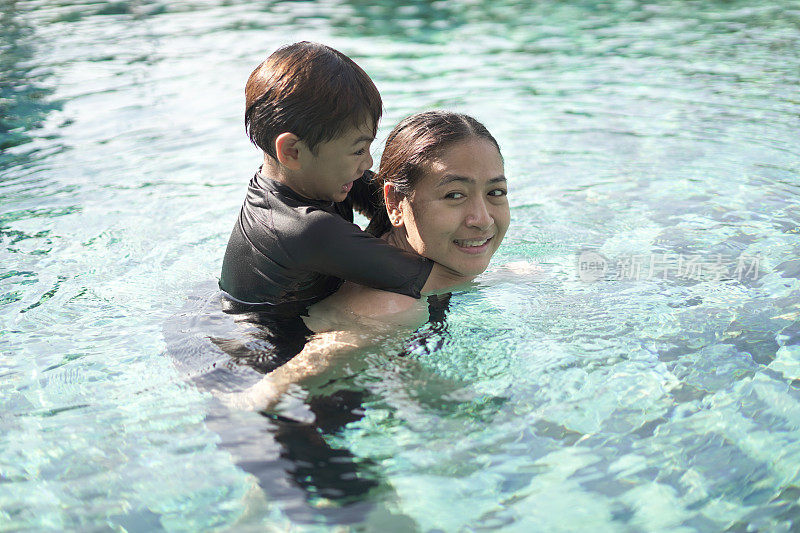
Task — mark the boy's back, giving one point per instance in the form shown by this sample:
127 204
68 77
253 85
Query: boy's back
290 252
313 112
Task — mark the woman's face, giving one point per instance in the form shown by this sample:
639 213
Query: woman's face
458 213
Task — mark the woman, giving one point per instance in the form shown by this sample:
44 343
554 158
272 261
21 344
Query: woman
441 192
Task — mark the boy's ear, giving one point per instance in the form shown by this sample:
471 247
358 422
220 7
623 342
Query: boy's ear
287 150
392 199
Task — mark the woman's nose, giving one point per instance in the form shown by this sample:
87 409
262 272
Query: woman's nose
479 215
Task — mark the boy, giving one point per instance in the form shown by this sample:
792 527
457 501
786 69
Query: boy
314 113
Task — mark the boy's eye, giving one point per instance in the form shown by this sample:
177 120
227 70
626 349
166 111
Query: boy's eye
498 192
454 196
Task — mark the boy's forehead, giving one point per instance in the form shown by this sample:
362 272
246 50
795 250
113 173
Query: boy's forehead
357 134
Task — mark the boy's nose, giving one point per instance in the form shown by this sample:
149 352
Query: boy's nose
479 216
367 163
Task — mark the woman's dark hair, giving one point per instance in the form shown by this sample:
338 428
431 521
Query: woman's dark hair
412 144
311 90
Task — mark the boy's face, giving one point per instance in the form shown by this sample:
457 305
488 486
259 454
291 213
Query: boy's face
329 175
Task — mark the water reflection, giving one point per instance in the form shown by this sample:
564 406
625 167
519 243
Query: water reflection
290 457
295 465
24 102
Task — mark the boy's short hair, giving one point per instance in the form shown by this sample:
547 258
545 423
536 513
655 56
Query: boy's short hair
311 90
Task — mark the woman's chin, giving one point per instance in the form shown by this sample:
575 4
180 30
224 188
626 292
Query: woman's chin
469 263
466 272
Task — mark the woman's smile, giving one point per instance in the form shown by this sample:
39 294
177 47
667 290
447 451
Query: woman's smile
473 246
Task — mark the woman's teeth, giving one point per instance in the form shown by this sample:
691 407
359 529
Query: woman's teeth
474 243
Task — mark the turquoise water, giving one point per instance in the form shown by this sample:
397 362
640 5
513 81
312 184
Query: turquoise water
606 398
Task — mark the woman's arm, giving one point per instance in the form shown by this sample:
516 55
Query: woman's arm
352 319
317 356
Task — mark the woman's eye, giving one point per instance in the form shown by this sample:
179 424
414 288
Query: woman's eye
361 152
498 192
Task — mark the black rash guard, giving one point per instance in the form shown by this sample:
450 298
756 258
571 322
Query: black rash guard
288 252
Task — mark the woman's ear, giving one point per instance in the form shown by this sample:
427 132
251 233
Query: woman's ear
287 150
392 200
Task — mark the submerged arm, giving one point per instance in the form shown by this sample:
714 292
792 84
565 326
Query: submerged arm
351 320
317 355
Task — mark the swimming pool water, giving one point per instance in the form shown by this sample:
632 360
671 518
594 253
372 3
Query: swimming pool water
639 371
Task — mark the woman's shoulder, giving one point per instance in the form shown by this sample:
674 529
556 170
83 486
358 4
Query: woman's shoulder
376 303
365 306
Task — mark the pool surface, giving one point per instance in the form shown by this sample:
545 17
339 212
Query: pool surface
636 368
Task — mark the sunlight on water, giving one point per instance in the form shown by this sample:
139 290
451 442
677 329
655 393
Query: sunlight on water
639 371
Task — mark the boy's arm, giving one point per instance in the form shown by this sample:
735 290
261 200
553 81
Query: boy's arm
331 245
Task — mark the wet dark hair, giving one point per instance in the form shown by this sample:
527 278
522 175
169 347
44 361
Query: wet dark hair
413 143
311 90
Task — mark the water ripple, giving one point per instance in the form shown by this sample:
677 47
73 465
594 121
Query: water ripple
543 401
